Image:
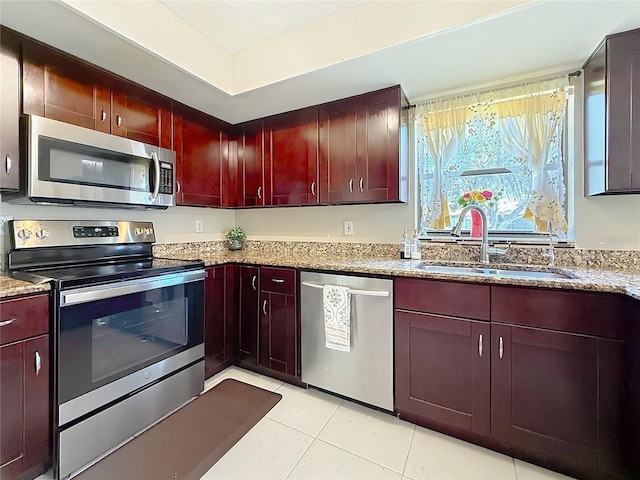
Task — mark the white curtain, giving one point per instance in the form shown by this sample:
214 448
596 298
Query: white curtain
528 120
443 124
531 121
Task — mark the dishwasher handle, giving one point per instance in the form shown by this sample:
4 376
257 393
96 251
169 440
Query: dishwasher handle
370 293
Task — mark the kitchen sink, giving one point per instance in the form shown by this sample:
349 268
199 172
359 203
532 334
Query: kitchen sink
496 272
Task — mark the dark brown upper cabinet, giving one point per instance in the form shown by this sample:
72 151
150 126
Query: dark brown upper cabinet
251 168
64 88
9 111
201 146
291 158
363 148
611 112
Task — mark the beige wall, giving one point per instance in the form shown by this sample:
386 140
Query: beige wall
603 222
176 224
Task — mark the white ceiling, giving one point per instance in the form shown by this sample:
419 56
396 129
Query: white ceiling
235 25
244 60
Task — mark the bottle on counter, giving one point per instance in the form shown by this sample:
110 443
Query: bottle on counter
416 247
406 245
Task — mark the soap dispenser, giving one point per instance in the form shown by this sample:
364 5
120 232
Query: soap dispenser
416 247
406 244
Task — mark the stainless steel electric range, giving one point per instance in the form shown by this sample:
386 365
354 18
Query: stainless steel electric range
127 330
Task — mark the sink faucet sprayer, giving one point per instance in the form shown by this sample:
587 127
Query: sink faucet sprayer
485 249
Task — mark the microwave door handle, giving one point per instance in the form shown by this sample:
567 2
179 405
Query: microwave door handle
156 186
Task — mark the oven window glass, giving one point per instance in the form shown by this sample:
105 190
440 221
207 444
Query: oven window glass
101 341
126 339
68 162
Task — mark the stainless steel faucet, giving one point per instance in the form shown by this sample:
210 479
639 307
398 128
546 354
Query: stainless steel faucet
485 250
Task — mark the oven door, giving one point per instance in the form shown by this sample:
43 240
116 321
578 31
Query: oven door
119 337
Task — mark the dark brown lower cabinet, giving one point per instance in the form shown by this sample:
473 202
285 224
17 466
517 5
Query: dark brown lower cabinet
546 379
279 320
248 317
442 369
218 319
558 393
24 408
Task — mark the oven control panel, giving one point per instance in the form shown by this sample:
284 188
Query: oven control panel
60 233
86 232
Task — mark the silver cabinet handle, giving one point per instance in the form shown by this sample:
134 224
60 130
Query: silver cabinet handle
259 192
8 322
118 120
313 188
351 184
178 187
38 363
361 184
480 345
277 280
156 168
501 348
253 281
103 116
8 163
264 307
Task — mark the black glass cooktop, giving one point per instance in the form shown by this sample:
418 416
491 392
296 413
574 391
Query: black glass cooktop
97 272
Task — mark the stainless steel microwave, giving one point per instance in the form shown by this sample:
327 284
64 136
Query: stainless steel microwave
67 164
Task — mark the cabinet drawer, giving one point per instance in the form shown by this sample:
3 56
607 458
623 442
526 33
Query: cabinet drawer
445 298
24 317
598 314
278 280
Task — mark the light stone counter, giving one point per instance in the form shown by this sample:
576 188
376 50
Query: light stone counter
10 287
598 280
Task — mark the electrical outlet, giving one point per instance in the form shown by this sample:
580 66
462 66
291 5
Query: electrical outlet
199 226
348 227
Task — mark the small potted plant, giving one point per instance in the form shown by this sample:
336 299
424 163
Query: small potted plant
236 236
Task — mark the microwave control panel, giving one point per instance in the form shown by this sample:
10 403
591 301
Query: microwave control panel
166 178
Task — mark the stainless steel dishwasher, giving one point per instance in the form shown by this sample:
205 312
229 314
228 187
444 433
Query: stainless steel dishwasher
365 373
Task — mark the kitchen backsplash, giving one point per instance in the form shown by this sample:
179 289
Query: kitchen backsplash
530 255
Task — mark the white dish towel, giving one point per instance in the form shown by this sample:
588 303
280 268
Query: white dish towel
336 302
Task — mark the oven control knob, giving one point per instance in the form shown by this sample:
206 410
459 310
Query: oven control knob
42 234
24 234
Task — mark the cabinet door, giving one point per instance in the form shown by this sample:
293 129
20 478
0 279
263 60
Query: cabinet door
291 157
248 317
9 111
337 152
37 411
215 334
11 409
558 393
442 367
140 115
251 165
378 145
62 88
199 146
278 332
623 88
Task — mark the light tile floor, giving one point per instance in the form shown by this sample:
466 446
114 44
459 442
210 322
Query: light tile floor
314 435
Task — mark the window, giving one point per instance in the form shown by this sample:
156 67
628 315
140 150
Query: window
507 143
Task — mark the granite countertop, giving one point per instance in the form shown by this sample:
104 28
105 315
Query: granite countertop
599 280
10 287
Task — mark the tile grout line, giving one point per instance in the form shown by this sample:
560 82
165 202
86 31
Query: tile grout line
301 457
406 459
359 456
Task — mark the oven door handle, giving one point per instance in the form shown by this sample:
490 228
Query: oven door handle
91 294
